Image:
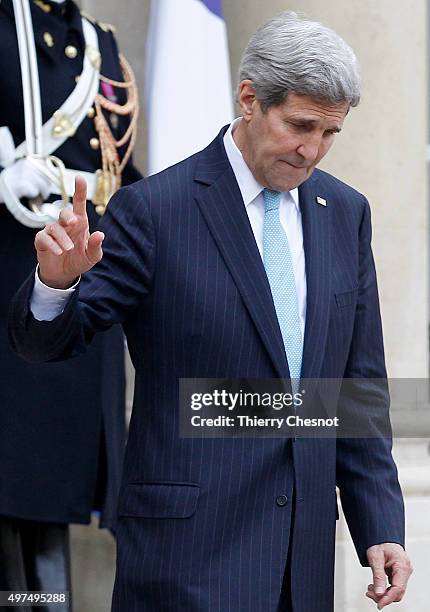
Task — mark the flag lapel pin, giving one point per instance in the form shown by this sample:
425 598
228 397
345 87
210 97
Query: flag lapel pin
321 201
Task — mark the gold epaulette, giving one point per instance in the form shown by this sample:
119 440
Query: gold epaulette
88 17
106 27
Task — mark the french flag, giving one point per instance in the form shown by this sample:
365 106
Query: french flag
188 85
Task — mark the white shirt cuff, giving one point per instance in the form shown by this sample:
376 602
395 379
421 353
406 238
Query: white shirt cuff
47 303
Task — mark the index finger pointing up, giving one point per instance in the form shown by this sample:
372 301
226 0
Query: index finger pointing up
80 196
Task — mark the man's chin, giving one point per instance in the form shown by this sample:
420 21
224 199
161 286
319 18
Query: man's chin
287 184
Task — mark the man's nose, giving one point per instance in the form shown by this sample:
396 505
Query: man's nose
309 147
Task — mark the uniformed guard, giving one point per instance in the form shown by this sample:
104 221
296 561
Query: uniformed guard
69 105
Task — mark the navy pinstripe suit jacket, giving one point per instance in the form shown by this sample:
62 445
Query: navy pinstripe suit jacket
199 527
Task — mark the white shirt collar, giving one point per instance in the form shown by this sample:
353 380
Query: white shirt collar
248 186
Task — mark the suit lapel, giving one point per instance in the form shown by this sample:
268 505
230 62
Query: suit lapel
317 246
222 207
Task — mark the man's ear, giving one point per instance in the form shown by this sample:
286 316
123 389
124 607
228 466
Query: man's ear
246 98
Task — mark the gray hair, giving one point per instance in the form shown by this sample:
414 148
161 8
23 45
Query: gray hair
290 54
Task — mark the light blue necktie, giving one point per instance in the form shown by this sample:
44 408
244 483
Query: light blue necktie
280 273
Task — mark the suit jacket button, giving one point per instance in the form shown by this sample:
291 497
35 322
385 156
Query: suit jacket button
282 500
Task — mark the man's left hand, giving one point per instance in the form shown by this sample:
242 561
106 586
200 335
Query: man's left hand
388 560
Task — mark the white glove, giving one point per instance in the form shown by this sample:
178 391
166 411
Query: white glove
25 180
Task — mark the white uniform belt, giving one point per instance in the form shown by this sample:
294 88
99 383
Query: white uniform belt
66 120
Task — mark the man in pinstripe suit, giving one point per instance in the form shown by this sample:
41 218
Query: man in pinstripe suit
235 524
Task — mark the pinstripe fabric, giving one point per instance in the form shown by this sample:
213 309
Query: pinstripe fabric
199 527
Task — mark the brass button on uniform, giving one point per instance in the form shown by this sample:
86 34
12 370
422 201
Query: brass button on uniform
114 120
91 112
94 143
70 51
42 5
48 39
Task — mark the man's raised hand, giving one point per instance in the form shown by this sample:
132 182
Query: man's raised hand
66 249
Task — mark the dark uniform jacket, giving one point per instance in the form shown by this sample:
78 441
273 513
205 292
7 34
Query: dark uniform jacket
61 425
